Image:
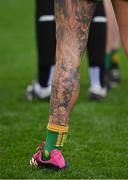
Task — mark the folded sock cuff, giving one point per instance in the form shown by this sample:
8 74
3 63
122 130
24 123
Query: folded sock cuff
57 128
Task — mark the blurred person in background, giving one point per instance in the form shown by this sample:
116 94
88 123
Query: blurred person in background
96 48
112 56
103 51
46 47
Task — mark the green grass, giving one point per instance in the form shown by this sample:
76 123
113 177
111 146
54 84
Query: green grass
97 144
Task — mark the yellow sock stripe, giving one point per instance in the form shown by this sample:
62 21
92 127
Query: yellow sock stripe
59 139
57 128
63 139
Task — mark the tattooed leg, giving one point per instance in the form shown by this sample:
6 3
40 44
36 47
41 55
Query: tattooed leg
73 20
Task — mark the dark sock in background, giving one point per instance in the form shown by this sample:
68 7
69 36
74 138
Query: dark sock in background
46 40
97 41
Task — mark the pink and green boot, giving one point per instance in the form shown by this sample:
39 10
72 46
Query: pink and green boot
56 161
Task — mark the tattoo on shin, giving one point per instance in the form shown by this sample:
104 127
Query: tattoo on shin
73 19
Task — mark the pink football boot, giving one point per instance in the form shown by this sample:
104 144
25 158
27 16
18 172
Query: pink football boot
55 162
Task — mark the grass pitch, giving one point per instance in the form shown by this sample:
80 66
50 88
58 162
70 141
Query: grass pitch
97 144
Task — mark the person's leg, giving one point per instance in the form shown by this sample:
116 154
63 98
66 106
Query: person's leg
113 38
46 47
121 12
112 29
96 53
46 41
112 47
73 20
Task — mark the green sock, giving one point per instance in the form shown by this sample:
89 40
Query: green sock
56 136
107 61
50 144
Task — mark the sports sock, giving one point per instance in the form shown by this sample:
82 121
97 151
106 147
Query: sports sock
56 136
94 76
45 38
96 46
51 74
107 61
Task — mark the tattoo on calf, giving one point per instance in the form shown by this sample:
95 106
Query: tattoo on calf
73 20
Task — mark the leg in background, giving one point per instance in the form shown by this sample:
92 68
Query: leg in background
112 47
46 41
96 53
46 47
121 12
